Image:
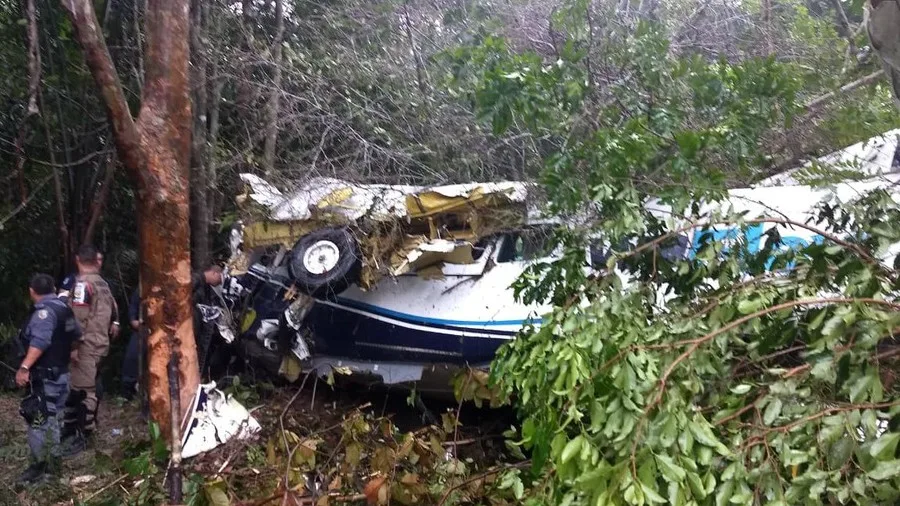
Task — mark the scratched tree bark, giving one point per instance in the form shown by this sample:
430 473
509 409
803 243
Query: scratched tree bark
155 148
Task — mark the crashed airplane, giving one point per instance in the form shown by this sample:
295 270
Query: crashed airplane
407 284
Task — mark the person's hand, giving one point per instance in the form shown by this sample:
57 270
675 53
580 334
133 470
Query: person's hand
114 330
22 377
73 357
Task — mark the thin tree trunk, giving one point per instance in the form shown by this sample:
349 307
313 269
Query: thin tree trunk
212 141
420 68
200 252
844 25
767 26
273 108
98 203
155 150
34 82
58 192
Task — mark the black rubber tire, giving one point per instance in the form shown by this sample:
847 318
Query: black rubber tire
335 281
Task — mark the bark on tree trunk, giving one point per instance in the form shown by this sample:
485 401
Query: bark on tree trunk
200 251
57 191
155 150
34 82
213 139
767 26
420 67
273 108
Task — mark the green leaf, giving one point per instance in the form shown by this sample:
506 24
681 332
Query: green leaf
669 432
572 448
772 411
652 495
885 446
704 435
670 471
885 470
749 306
696 485
724 493
741 389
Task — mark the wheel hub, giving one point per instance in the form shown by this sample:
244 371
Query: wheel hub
321 257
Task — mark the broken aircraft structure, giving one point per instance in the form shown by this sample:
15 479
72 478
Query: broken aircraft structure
408 284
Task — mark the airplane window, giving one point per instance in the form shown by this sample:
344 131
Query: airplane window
525 245
672 251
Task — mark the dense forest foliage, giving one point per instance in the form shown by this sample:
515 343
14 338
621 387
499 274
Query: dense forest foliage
747 388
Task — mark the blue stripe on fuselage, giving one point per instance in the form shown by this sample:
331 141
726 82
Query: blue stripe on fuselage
422 320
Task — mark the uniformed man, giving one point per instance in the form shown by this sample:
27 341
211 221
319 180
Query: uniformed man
46 343
92 303
65 291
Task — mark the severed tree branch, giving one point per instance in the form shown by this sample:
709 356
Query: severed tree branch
815 105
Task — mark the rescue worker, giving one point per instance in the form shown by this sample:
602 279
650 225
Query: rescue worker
93 304
45 345
65 290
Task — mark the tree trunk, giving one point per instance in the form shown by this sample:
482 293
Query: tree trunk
767 26
200 252
57 191
420 67
98 203
273 108
155 150
34 82
883 27
218 83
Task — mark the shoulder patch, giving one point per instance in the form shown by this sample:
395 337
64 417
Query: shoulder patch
42 314
81 294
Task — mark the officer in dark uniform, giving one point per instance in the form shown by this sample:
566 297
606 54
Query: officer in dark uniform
46 344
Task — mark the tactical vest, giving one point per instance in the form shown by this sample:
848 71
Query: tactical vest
64 334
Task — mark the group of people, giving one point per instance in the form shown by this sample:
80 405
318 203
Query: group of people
61 346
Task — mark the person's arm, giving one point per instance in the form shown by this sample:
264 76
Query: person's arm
31 357
114 327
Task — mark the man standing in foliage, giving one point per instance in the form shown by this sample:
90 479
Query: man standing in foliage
92 303
46 343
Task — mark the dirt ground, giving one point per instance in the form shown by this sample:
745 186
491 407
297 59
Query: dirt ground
99 476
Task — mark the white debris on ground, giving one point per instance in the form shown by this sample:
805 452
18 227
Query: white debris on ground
214 419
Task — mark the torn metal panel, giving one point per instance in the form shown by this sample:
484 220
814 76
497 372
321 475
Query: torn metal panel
462 198
419 253
271 233
214 419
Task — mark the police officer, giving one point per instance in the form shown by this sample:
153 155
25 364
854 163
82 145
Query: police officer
92 303
46 342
